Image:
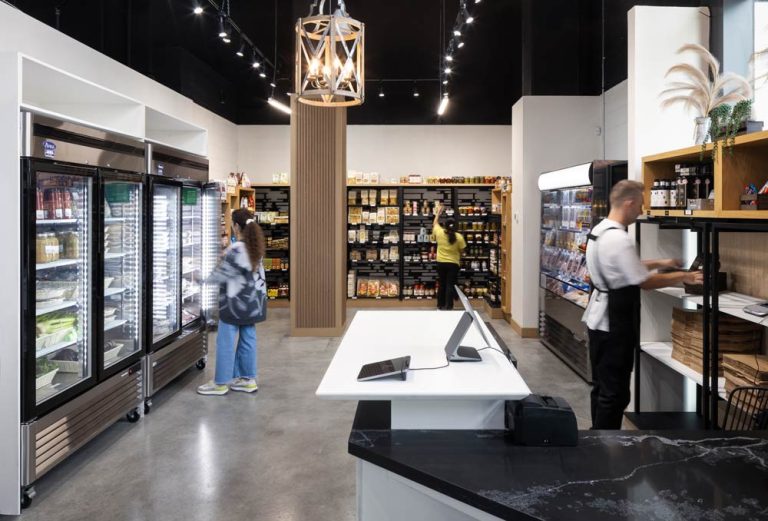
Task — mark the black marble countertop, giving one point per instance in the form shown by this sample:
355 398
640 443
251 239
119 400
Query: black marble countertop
638 475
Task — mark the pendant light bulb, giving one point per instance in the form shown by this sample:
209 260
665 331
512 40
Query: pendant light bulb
241 50
222 28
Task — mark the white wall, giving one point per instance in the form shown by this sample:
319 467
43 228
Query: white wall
549 132
23 34
760 107
391 150
654 35
616 121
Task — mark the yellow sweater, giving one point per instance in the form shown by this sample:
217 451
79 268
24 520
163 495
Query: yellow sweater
447 252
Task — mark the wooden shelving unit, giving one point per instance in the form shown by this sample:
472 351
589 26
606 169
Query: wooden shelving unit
733 170
734 239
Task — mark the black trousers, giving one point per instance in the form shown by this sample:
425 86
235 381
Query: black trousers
447 275
612 360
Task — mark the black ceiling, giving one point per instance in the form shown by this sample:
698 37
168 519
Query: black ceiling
514 48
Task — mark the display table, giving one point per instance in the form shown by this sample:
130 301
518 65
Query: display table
463 395
612 475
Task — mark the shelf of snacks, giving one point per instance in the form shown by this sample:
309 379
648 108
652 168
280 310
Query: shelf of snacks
690 183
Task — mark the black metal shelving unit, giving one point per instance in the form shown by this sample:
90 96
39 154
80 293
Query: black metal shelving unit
276 199
708 398
414 265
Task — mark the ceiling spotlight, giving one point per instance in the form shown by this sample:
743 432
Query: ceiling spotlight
447 70
415 91
445 82
470 19
460 45
226 40
279 106
198 10
456 32
262 75
223 30
254 62
449 58
478 1
443 105
241 50
381 91
272 84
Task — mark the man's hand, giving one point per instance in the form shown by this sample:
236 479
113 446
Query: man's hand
694 277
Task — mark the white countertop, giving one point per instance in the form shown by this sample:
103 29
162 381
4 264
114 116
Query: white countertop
379 335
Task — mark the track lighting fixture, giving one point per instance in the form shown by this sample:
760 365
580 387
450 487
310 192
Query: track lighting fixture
448 58
478 1
262 75
443 105
448 70
470 19
456 32
223 30
272 85
460 45
279 106
415 91
241 50
198 10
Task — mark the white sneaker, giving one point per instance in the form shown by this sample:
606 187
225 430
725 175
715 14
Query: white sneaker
246 385
211 388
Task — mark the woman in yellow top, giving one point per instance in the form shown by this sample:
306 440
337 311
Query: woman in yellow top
450 244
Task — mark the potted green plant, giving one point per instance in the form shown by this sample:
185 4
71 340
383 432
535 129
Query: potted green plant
705 90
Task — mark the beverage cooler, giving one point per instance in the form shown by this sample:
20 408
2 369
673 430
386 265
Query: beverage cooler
573 200
82 342
183 248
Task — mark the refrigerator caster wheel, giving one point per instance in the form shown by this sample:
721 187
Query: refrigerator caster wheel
133 416
147 406
26 498
200 364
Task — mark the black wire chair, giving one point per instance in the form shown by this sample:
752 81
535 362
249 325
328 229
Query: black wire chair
747 409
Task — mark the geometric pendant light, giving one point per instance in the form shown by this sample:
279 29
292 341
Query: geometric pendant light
330 58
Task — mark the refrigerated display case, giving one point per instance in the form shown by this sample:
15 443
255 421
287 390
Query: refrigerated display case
122 238
165 262
60 308
573 200
191 254
177 336
70 390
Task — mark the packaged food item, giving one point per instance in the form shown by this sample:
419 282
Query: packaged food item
364 197
371 255
384 254
362 287
351 235
372 197
374 288
381 216
374 178
393 197
366 178
355 256
394 253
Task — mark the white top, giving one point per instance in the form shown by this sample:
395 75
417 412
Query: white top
374 336
618 266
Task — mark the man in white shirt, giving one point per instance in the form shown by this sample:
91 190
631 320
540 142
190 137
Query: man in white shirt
613 313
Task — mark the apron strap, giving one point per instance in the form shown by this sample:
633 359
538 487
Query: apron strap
594 238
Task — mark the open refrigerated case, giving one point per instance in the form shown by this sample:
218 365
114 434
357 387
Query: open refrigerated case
573 201
67 396
180 258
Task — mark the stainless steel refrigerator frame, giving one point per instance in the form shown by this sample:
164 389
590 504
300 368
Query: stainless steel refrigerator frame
52 431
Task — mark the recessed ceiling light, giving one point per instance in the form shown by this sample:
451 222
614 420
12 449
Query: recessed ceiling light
198 10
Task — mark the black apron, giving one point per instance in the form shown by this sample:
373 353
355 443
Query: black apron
623 308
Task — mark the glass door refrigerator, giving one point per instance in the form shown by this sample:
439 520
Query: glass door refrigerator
122 236
176 334
573 200
164 288
59 262
191 253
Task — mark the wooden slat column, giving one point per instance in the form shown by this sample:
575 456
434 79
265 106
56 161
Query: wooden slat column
318 235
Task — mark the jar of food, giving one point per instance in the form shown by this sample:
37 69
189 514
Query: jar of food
52 248
40 254
71 245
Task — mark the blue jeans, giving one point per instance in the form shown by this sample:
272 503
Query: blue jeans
235 361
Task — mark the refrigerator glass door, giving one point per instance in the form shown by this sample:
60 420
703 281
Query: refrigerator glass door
213 223
63 307
165 261
191 254
122 270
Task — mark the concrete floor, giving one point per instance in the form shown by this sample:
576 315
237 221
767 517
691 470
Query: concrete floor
279 455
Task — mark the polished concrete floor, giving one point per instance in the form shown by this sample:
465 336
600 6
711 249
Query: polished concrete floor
279 455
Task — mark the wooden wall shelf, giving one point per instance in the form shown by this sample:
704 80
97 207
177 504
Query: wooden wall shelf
746 164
